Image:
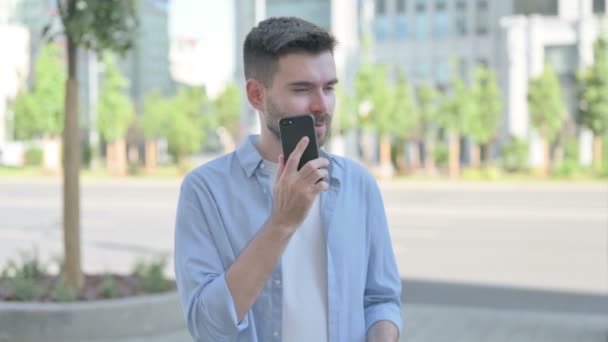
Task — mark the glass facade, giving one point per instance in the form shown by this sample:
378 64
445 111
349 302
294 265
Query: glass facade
421 21
315 11
482 17
442 23
460 17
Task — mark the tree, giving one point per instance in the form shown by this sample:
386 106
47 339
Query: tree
99 25
405 120
153 120
547 110
483 127
115 114
458 112
345 111
188 123
427 100
227 107
374 96
593 97
39 111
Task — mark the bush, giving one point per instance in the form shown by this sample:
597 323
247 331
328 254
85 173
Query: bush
29 268
569 166
151 275
24 289
108 287
441 155
515 155
61 293
33 156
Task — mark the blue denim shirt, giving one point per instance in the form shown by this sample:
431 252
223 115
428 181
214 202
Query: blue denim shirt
224 203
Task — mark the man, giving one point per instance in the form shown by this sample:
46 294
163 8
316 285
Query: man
264 252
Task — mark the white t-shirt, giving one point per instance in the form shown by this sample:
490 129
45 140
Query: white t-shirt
304 267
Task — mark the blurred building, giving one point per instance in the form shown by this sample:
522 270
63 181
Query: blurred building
146 65
432 39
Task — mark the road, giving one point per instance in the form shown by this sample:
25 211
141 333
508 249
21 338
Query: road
462 248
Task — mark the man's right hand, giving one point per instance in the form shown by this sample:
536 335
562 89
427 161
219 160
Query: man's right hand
295 191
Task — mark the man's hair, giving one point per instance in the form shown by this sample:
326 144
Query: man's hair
276 37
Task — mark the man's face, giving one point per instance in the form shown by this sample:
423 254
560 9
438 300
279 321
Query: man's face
303 84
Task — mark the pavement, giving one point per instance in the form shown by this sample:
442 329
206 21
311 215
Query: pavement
480 261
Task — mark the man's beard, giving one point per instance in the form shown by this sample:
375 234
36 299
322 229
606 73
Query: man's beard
274 115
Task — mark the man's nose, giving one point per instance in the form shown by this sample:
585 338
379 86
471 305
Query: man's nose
319 103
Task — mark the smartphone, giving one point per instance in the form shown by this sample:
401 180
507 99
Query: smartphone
293 129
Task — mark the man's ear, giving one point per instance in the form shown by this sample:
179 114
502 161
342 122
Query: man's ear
255 94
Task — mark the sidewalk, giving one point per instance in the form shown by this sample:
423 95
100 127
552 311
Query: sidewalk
436 323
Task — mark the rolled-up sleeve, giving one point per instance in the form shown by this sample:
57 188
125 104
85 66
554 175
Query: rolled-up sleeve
207 303
382 298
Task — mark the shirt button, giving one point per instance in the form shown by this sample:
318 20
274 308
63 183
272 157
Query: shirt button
276 334
277 282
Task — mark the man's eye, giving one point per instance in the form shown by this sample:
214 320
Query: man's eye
300 90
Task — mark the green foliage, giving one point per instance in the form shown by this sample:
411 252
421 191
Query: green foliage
108 288
404 118
372 97
547 108
427 99
227 107
114 107
151 274
33 156
458 111
22 277
24 289
488 107
189 122
569 166
515 154
155 115
61 293
593 90
100 25
345 111
441 155
40 110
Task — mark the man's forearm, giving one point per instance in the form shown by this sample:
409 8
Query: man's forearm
383 331
248 275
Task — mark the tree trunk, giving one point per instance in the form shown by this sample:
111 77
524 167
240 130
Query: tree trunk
454 156
415 154
151 154
385 156
73 277
429 158
400 158
475 155
547 156
597 152
116 158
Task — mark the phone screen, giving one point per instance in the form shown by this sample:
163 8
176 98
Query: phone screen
293 129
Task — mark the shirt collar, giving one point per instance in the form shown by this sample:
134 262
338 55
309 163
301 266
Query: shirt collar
250 158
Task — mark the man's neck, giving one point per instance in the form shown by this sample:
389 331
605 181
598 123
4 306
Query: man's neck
269 147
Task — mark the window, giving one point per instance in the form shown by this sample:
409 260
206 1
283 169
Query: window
442 72
380 7
421 20
543 7
599 6
401 26
401 6
441 19
421 69
482 18
381 27
562 58
460 18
